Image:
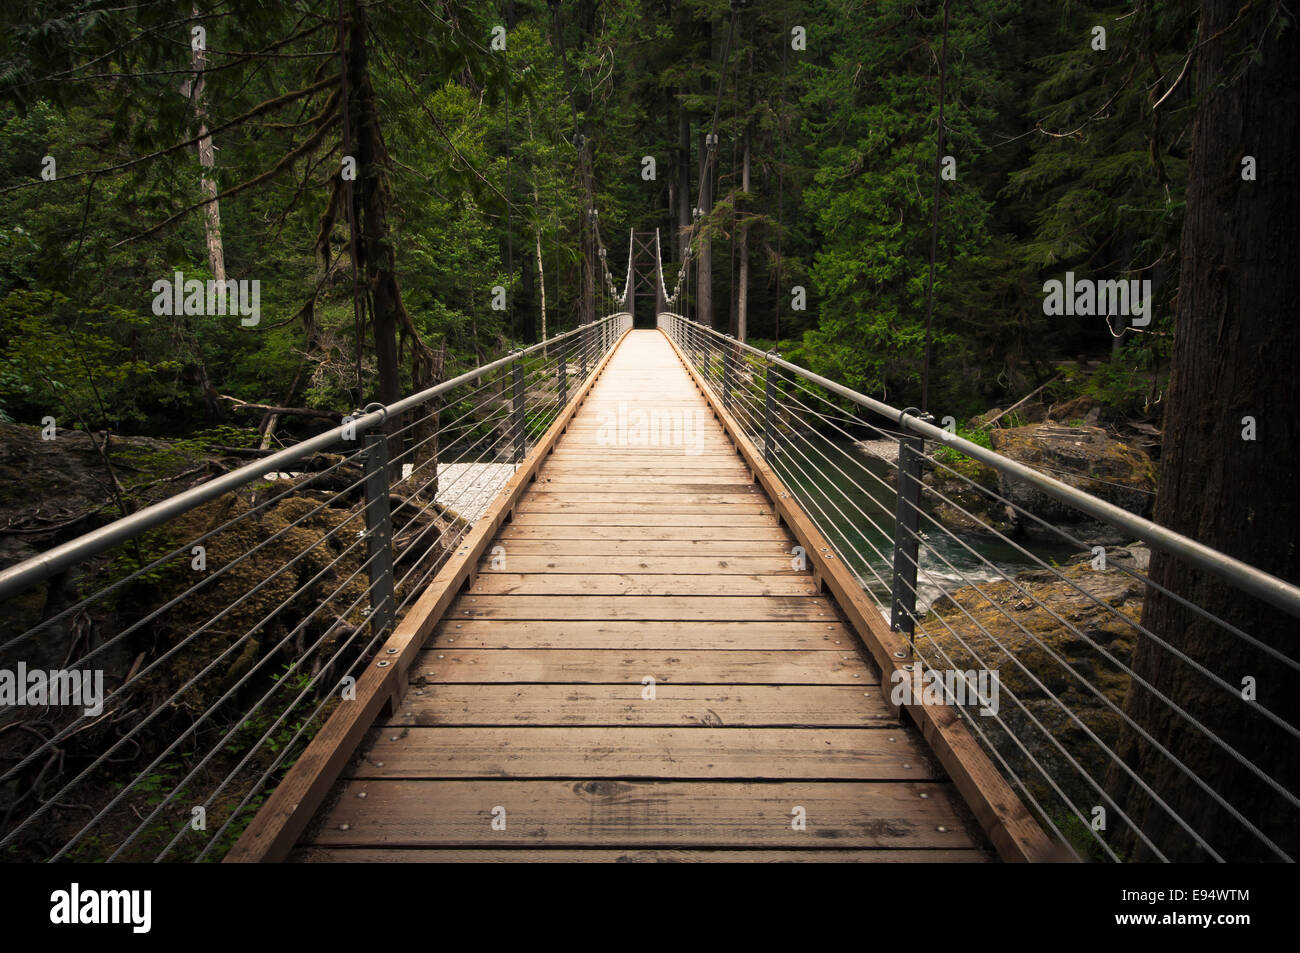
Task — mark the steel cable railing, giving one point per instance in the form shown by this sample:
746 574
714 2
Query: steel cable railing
960 566
229 620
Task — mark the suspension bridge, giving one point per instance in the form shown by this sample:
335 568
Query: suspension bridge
626 594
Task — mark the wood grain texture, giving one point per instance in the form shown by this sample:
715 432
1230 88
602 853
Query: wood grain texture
608 813
606 705
759 754
523 855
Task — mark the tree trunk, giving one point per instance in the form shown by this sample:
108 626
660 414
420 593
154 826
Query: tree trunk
371 197
541 272
704 277
207 161
742 289
683 180
1234 356
211 217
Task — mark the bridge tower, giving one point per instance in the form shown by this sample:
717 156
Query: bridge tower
645 281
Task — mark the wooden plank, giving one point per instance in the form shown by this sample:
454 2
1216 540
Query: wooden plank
1000 812
628 460
755 706
563 487
620 496
576 666
720 473
664 476
740 510
523 855
278 823
679 754
670 608
586 634
776 547
516 562
640 584
592 813
740 527
771 533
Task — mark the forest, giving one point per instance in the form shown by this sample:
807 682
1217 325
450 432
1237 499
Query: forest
891 186
1063 230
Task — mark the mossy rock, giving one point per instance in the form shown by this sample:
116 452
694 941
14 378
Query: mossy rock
1083 457
957 504
1068 676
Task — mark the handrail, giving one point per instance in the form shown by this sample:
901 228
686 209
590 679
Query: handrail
44 565
1277 592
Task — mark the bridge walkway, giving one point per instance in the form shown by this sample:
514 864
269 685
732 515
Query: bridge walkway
638 671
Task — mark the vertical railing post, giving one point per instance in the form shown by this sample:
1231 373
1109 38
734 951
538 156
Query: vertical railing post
769 409
379 535
582 347
708 362
907 542
728 348
520 433
564 377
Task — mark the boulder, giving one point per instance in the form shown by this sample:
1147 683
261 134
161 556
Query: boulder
957 504
1083 457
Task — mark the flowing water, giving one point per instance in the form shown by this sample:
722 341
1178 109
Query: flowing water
848 494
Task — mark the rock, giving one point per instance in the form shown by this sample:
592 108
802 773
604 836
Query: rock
982 419
1083 457
948 495
1134 556
884 449
1066 633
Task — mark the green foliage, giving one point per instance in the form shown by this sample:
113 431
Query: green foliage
977 435
1120 385
77 363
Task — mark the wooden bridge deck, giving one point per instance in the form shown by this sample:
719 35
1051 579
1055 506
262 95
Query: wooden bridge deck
530 705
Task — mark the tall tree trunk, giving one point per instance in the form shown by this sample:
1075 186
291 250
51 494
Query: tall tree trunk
589 253
371 197
211 216
704 277
683 180
742 289
541 272
207 161
1234 356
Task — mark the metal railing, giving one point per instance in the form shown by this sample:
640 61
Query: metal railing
186 654
1023 615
